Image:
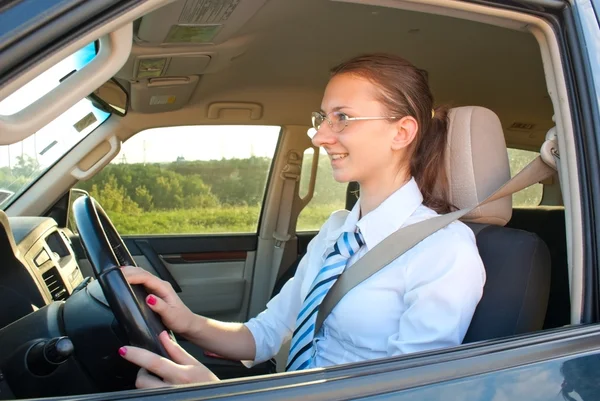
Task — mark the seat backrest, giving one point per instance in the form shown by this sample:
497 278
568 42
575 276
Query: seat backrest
517 262
549 224
515 296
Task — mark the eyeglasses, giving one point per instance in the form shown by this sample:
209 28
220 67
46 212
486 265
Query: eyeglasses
338 120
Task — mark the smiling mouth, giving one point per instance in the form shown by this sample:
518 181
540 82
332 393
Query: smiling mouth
338 156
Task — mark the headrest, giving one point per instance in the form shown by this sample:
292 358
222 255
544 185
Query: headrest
477 164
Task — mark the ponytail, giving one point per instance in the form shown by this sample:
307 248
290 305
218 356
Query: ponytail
427 164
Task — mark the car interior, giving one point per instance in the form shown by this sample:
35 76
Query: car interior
264 63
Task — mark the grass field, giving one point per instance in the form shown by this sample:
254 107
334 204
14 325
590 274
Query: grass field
222 219
240 219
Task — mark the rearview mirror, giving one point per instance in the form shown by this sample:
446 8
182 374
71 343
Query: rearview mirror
111 97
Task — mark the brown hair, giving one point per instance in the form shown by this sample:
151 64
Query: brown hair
405 92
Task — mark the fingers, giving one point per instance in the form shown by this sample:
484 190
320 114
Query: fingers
169 371
137 275
156 364
146 380
176 352
157 304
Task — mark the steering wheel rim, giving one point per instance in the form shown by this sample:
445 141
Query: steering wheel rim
141 325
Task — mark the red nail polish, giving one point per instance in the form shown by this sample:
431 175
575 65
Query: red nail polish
122 351
151 300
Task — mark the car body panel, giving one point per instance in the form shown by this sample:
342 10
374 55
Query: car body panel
535 367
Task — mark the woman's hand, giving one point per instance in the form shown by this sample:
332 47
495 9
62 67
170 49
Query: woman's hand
162 299
181 369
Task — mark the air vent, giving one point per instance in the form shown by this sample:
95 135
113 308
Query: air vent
55 285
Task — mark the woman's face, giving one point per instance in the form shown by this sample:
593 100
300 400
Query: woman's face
363 151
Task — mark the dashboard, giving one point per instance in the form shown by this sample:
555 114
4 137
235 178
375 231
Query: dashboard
43 251
58 334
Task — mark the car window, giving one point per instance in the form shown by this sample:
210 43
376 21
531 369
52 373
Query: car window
181 180
22 163
531 196
329 195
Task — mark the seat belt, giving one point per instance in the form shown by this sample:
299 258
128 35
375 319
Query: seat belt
290 175
407 237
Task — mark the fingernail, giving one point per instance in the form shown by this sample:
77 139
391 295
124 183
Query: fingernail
122 351
151 300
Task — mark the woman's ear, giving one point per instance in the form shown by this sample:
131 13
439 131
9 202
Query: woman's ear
406 131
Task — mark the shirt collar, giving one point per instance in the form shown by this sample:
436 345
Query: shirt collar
387 218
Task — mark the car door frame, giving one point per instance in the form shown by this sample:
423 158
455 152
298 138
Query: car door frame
585 107
407 376
393 375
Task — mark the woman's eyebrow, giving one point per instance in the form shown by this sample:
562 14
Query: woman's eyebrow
338 108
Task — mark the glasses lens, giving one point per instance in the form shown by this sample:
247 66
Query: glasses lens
317 120
338 121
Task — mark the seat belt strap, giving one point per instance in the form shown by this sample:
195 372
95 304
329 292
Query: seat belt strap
407 237
290 175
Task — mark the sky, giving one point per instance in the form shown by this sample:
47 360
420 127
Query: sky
199 143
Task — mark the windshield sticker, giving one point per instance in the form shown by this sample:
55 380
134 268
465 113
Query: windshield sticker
85 122
47 148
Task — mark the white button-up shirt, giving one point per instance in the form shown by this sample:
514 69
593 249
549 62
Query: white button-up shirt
423 300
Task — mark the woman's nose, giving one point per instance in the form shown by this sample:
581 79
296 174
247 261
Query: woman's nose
324 136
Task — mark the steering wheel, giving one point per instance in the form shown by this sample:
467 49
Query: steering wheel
107 252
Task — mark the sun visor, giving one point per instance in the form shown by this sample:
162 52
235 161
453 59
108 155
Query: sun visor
196 22
157 95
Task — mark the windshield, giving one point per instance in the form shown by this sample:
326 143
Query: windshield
22 163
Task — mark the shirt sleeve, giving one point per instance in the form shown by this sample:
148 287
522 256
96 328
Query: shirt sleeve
272 327
443 287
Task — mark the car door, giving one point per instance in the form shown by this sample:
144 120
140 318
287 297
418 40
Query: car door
539 366
549 366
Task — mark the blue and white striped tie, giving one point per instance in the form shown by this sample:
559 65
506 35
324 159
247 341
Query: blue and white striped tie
301 345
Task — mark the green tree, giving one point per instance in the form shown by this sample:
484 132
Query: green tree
26 166
113 197
143 198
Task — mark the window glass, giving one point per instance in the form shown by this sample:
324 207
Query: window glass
329 194
181 180
22 163
528 197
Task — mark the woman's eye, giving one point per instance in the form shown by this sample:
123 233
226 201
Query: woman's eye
341 117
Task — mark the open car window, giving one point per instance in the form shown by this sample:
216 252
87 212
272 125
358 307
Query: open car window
215 184
207 220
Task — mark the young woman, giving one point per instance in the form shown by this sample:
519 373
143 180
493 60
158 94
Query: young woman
379 127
